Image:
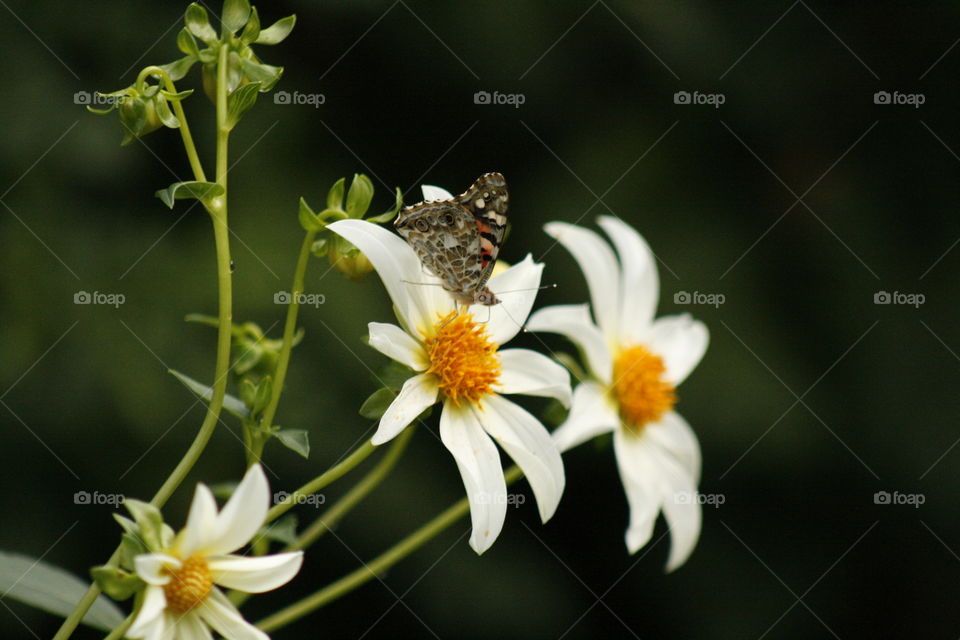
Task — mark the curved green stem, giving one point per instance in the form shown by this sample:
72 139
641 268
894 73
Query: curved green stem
188 146
376 566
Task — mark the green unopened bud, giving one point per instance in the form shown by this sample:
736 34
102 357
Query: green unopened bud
347 259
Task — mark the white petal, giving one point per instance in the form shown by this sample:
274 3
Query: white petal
517 289
599 267
416 295
591 414
244 513
150 615
526 440
682 510
676 439
432 193
479 463
639 284
224 618
190 627
533 374
395 343
418 393
201 527
150 567
255 574
645 490
681 341
573 322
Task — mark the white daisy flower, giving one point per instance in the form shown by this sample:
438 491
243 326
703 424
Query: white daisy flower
459 363
636 363
181 600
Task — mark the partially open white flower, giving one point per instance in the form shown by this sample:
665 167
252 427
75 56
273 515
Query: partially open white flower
636 363
181 600
458 362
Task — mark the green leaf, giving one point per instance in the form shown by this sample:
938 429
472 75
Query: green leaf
179 95
230 404
335 195
53 590
393 374
320 247
115 582
198 23
235 13
252 31
179 68
163 112
295 439
391 214
131 546
376 405
202 191
278 31
263 394
266 74
359 196
283 530
240 101
308 219
149 521
133 117
187 43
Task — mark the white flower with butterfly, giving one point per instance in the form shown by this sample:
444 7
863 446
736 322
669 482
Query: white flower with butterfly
458 362
635 362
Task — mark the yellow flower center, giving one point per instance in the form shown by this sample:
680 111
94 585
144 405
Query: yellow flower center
189 585
463 358
639 388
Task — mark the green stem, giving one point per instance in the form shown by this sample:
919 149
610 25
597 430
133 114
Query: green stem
377 566
118 632
188 146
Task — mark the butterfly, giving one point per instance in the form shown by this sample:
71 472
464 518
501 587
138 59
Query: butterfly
458 240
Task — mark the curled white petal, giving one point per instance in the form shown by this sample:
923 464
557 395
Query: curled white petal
681 341
255 574
642 484
224 618
151 567
432 193
591 414
244 513
397 344
526 440
150 616
682 510
479 463
600 268
639 284
573 322
517 289
533 374
418 393
676 439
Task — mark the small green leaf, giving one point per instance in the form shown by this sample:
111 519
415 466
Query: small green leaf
283 530
163 112
179 68
198 23
297 440
187 43
263 394
240 101
320 247
179 95
359 196
230 404
129 526
278 31
266 74
202 191
149 521
335 195
115 582
252 31
131 546
235 13
308 219
376 405
391 214
393 374
53 590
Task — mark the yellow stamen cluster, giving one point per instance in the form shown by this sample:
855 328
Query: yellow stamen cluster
639 388
189 585
463 358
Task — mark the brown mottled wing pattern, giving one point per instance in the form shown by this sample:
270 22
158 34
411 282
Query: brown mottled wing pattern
488 201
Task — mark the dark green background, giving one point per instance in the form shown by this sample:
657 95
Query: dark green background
88 405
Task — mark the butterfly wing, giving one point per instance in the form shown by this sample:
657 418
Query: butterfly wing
487 201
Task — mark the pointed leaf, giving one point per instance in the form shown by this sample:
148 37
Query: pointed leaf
308 219
187 43
283 530
115 582
179 68
359 196
278 31
320 247
391 214
335 195
267 75
376 405
202 191
52 589
198 23
149 521
240 101
295 439
252 31
230 404
235 14
163 112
